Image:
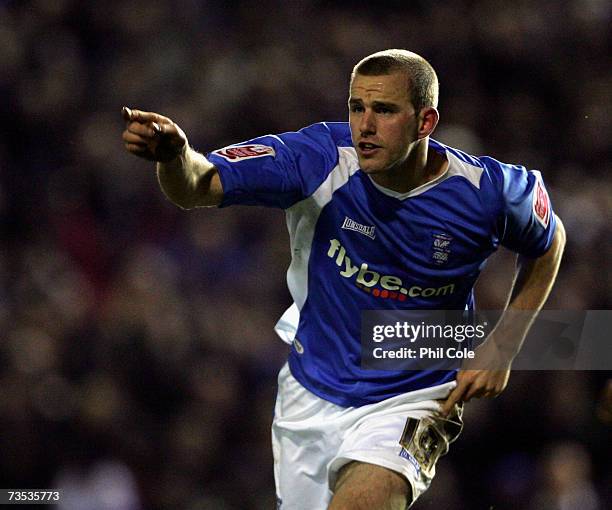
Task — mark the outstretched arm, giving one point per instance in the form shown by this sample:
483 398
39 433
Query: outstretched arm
532 285
186 177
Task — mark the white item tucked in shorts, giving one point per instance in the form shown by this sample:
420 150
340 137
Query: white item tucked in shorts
313 438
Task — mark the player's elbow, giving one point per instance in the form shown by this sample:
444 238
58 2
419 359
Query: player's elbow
183 204
555 251
178 200
553 255
194 200
560 236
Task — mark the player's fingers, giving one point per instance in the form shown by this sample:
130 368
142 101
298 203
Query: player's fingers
148 130
143 117
168 130
130 137
454 397
484 389
136 148
172 135
494 392
474 391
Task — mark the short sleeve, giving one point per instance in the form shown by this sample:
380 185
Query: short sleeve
276 170
527 222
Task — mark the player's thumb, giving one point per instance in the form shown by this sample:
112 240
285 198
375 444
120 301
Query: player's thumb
126 113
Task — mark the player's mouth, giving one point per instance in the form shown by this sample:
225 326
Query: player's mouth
367 148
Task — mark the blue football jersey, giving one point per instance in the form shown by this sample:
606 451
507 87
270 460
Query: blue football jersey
358 246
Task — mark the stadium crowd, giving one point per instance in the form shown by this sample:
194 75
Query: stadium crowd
137 357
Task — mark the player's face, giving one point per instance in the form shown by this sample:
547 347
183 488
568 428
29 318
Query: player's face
383 121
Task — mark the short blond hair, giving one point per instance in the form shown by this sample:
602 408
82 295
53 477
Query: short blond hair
422 78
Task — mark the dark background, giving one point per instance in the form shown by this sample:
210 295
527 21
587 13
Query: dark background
137 357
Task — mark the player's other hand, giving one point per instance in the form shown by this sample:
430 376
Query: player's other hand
486 375
152 136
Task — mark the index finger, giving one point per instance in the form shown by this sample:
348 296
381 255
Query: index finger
141 116
455 396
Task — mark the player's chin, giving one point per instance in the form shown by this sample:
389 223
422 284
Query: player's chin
370 165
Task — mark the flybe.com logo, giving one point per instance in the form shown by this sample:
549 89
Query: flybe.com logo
382 286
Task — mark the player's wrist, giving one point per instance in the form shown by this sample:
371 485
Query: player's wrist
179 161
506 344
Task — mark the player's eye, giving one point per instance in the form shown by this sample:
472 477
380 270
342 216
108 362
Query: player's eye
356 108
383 109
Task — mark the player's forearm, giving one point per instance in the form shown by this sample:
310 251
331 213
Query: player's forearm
186 180
532 285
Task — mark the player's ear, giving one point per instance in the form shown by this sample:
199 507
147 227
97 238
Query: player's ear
428 120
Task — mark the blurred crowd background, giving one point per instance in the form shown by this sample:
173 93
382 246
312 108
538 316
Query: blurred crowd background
137 357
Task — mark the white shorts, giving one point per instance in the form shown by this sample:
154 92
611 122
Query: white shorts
313 438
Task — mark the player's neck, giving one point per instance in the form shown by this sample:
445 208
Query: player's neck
421 167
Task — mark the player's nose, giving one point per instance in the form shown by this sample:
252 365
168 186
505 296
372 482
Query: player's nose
368 123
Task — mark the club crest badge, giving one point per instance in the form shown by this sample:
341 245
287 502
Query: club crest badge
541 204
238 152
441 248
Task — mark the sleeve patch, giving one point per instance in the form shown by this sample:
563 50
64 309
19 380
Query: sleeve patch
541 204
239 152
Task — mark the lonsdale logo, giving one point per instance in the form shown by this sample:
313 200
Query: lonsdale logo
371 281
